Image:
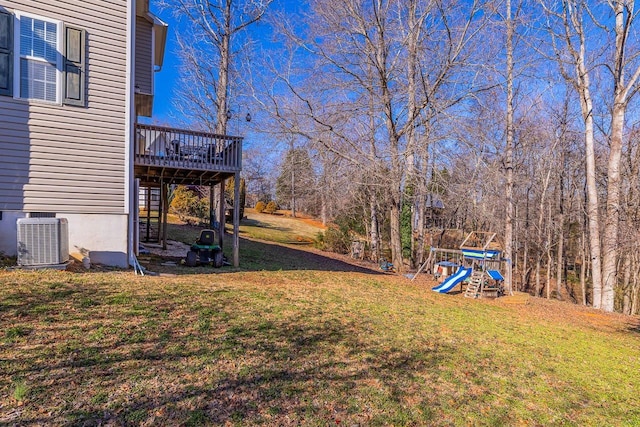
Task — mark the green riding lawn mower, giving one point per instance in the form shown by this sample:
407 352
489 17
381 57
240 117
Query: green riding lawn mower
205 251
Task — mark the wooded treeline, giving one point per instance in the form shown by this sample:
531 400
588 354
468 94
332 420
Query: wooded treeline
401 117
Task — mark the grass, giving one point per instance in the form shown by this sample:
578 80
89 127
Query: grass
279 228
273 228
301 339
20 391
257 233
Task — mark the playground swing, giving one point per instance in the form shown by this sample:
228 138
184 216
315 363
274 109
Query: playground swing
441 262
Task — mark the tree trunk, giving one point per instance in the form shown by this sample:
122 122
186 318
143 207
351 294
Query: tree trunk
508 230
323 207
525 256
417 197
538 266
626 285
372 193
222 89
610 239
573 26
396 172
421 232
560 203
592 201
293 192
635 285
374 230
560 263
549 256
539 233
395 223
583 268
549 266
525 265
395 189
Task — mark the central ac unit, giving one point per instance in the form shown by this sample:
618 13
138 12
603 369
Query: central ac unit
43 241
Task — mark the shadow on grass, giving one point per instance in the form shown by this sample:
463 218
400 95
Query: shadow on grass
257 255
265 395
290 371
261 256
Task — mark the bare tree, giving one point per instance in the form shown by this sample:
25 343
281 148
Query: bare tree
509 156
577 38
377 52
296 184
208 49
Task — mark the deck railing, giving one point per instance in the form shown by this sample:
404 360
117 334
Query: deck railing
185 149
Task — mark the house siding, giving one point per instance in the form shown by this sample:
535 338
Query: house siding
61 158
144 55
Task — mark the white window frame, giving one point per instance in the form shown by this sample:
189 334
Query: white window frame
17 71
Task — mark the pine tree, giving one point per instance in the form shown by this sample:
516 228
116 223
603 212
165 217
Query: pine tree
296 182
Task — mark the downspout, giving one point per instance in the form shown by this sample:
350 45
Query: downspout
129 130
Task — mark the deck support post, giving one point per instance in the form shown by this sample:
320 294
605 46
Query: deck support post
212 209
221 218
236 219
165 210
148 200
160 210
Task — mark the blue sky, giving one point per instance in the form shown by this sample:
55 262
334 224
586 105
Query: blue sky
167 80
167 85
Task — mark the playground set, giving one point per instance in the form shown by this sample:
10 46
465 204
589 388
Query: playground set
477 264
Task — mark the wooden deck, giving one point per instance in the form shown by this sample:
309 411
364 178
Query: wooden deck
179 156
165 156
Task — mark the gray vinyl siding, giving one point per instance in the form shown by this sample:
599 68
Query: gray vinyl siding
62 158
144 55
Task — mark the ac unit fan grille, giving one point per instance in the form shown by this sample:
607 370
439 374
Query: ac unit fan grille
42 241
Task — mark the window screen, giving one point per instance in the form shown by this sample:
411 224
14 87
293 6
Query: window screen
38 59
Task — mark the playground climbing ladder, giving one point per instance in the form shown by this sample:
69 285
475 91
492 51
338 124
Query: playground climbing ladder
474 287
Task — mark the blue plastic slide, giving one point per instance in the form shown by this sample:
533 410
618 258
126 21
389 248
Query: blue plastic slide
451 281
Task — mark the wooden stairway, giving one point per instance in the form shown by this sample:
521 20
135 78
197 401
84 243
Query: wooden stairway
474 288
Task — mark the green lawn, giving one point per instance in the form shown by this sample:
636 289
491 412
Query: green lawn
272 228
300 339
279 228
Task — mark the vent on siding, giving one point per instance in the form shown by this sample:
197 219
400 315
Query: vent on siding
42 215
42 241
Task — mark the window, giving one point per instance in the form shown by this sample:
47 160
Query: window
41 59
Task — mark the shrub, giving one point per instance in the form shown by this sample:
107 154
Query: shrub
271 207
260 206
188 204
336 240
